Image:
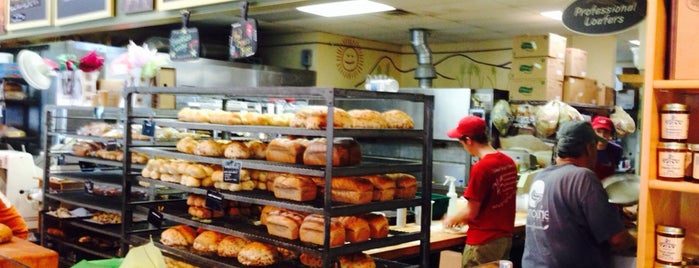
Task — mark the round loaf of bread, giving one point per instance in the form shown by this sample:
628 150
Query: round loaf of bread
236 150
365 118
180 235
207 242
231 245
310 260
356 260
258 254
209 148
398 119
257 149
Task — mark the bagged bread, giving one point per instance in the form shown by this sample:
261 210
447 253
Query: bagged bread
623 123
502 116
568 113
547 118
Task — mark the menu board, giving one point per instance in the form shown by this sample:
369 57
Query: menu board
23 14
73 11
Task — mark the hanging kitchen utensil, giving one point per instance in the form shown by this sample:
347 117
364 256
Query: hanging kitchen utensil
243 39
184 42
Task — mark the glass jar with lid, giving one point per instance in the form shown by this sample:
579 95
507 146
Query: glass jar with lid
674 122
671 160
669 244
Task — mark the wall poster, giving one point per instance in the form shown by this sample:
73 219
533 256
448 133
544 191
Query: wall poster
24 14
74 11
177 4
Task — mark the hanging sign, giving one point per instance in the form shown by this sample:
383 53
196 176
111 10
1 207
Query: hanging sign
598 17
184 42
243 39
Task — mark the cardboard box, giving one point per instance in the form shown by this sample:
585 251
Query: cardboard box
605 95
535 89
449 259
683 39
575 62
549 45
580 90
165 78
537 67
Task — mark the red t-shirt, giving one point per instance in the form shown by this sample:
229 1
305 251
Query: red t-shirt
493 182
10 217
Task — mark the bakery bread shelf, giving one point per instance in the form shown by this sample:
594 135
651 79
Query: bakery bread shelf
315 206
74 135
98 161
100 203
368 166
106 254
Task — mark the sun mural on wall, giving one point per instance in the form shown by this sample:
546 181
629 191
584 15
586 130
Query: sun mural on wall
349 58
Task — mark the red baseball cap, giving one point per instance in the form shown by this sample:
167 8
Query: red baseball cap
469 126
602 122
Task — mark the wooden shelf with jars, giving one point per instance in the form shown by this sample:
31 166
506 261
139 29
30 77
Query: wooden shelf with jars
661 202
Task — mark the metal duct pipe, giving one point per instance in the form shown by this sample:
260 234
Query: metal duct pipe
424 72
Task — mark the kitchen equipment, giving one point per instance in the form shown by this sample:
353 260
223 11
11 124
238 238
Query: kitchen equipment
34 70
622 189
18 181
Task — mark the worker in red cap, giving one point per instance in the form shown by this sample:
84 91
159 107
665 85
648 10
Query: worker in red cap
608 153
491 191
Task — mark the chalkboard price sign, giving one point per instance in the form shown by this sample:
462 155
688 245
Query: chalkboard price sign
24 14
74 11
184 44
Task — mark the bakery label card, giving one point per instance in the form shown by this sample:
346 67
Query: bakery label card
87 166
148 128
111 145
214 200
89 187
155 217
231 170
98 112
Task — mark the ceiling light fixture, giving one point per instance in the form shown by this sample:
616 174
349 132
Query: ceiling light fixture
635 42
556 15
345 8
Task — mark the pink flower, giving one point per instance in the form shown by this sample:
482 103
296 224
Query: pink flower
91 62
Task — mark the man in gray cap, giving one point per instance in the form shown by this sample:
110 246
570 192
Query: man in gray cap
570 222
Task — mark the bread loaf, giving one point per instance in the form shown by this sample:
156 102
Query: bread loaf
86 148
313 231
378 225
203 212
406 185
398 119
346 151
310 260
186 145
209 148
236 150
258 254
196 200
256 148
285 150
207 242
384 187
351 190
356 260
284 223
266 210
180 235
225 117
231 245
356 229
317 118
365 118
294 187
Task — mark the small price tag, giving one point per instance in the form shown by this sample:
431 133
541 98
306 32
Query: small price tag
148 128
89 187
111 145
98 112
231 170
155 217
214 200
60 159
86 166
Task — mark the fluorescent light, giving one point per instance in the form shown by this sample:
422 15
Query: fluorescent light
344 8
635 42
556 15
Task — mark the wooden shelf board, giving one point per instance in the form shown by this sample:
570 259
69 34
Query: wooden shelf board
678 186
676 84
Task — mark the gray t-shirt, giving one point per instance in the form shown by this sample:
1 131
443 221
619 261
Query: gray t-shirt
569 220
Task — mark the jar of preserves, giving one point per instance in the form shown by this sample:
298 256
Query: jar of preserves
693 169
674 122
669 243
671 160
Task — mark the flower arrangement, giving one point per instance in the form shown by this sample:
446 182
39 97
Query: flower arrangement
91 62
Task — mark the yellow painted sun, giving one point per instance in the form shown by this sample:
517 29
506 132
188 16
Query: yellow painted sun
349 59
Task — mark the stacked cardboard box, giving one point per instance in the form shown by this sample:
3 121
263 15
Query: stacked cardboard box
537 67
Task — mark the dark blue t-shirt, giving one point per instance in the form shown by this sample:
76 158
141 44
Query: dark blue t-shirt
569 220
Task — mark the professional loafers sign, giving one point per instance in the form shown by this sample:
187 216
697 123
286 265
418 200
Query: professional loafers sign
596 17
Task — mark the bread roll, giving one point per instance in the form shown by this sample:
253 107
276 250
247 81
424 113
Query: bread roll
384 187
356 260
365 118
310 260
209 148
313 231
204 212
231 245
256 148
285 150
207 242
86 148
356 229
352 190
236 150
398 119
378 225
225 117
406 185
180 235
286 254
284 224
190 181
258 254
186 145
294 187
196 200
197 171
346 152
316 118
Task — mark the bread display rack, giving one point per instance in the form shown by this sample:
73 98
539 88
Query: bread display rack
422 168
63 233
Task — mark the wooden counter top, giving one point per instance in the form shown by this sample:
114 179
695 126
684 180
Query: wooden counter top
27 253
439 239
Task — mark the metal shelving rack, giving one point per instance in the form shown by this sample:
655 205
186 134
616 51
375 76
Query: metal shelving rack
327 97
